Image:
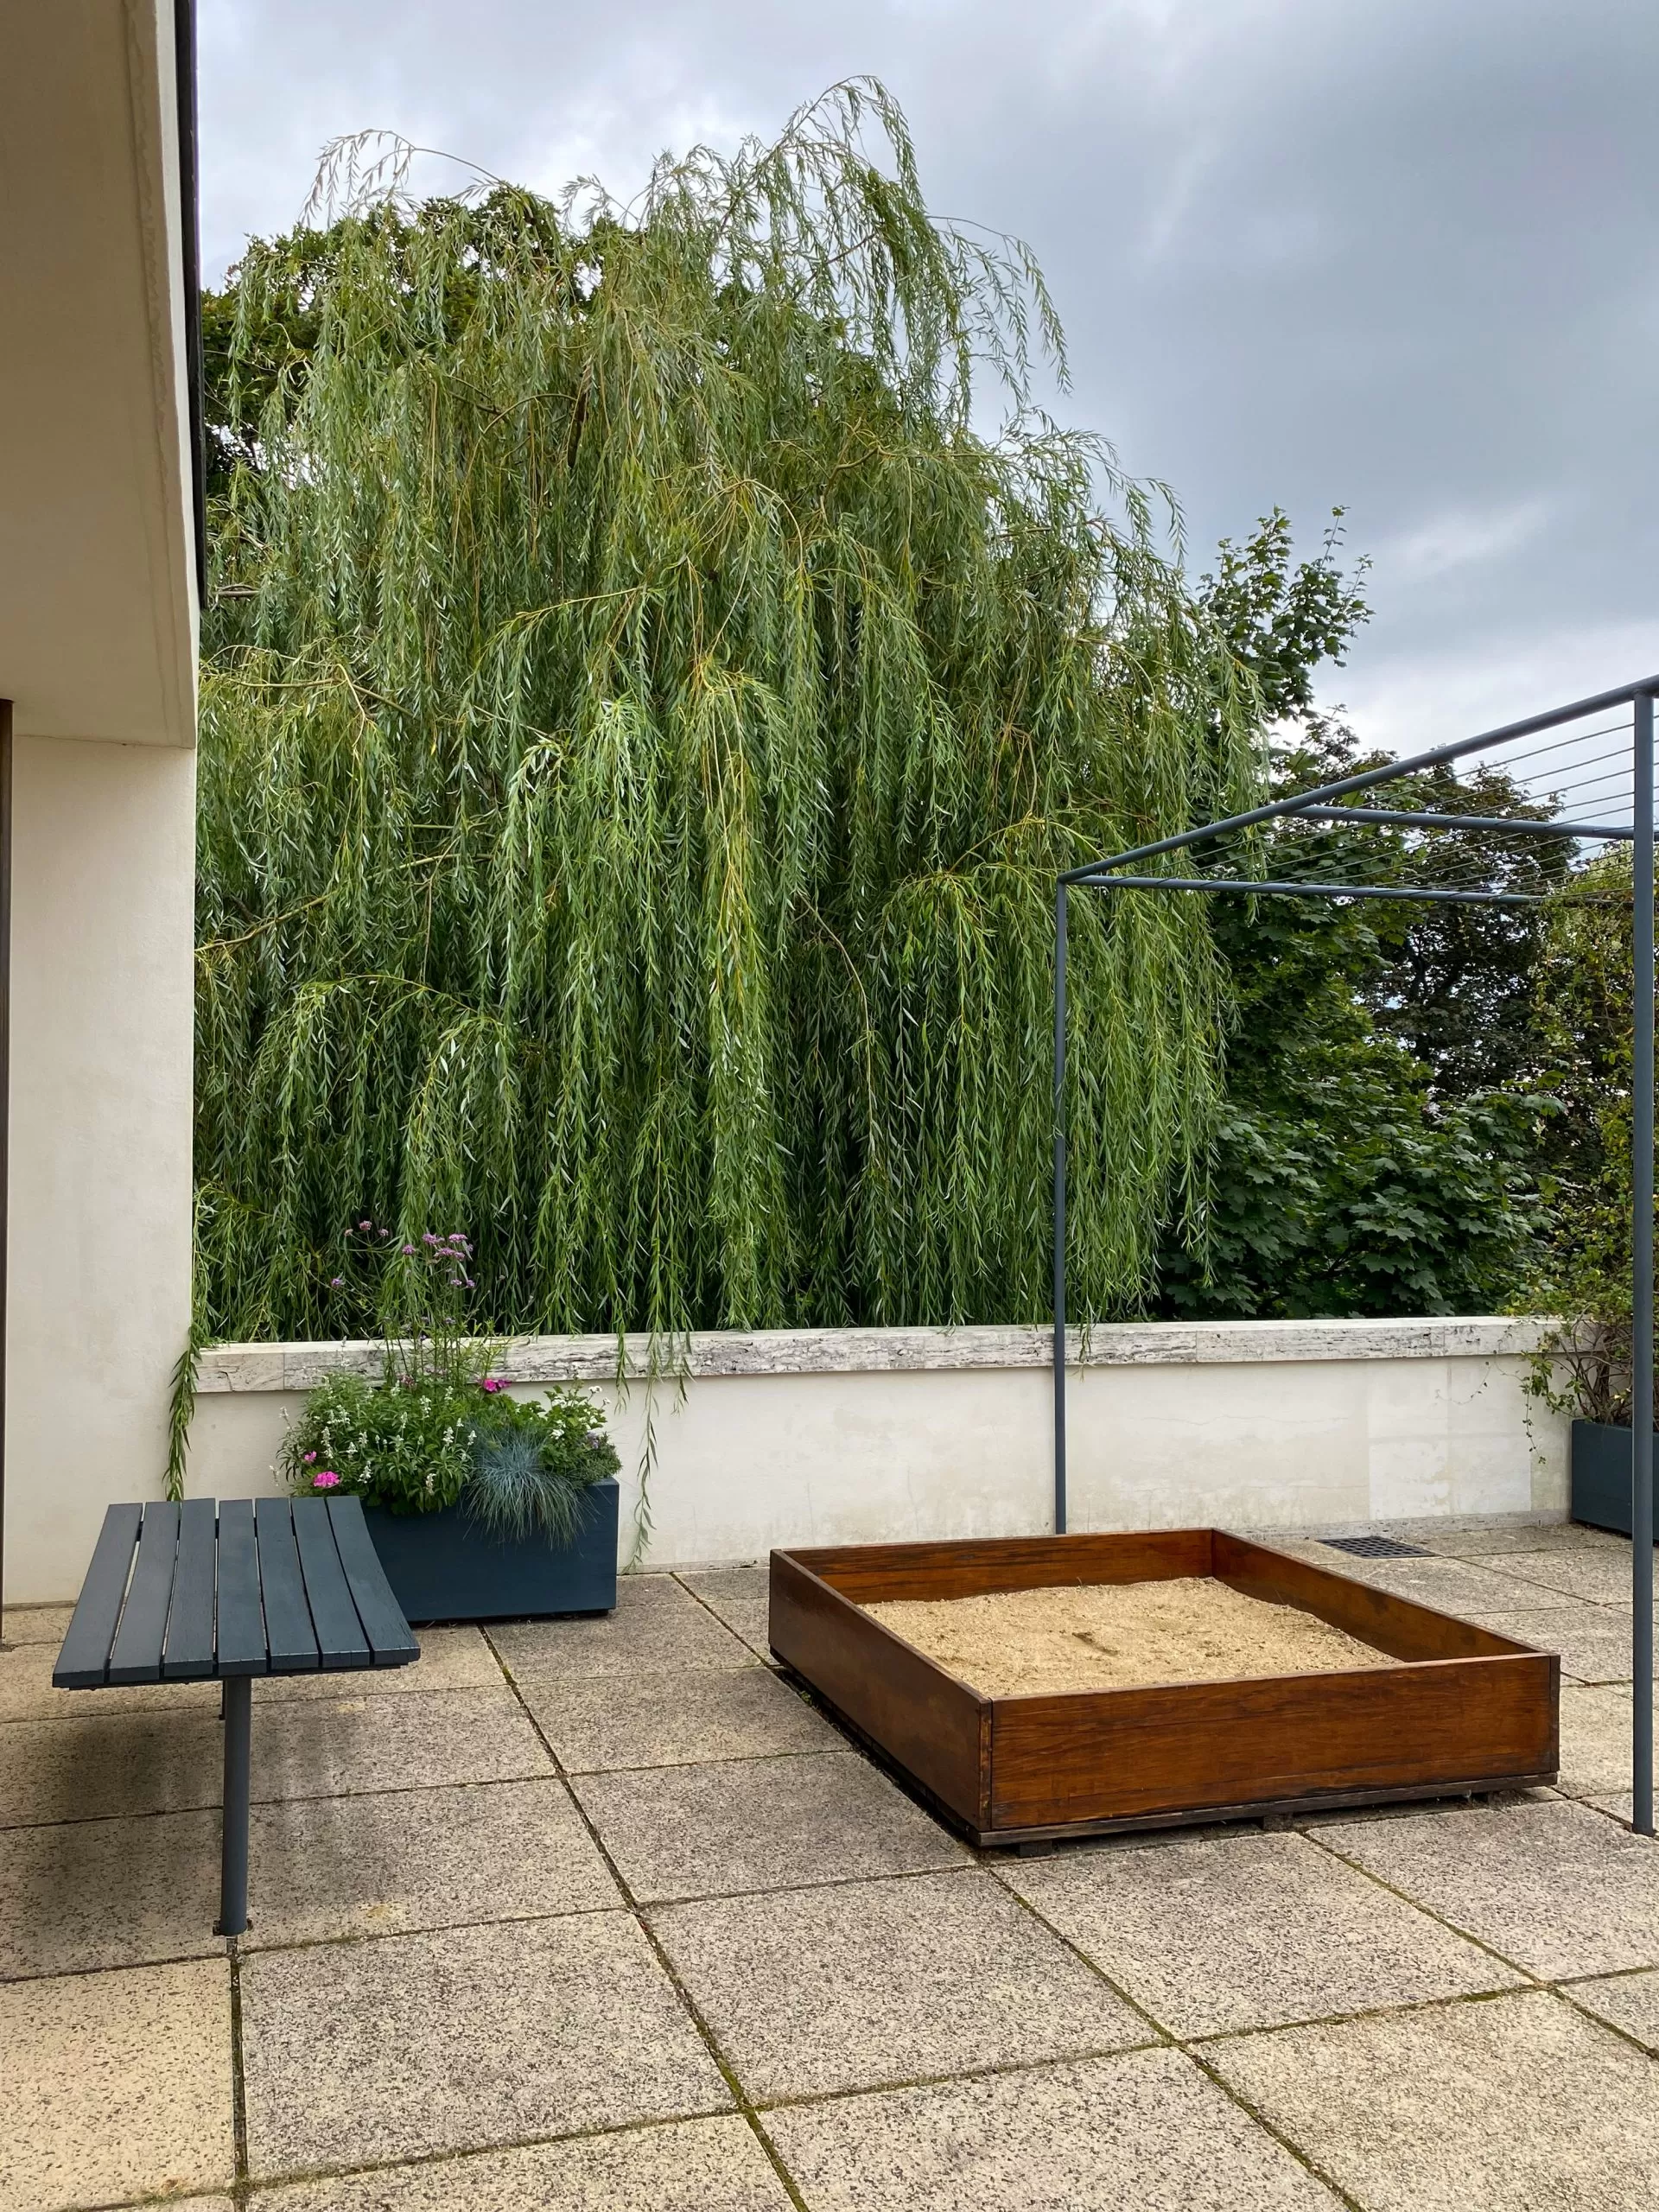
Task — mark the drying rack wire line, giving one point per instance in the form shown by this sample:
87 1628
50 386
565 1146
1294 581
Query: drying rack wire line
1429 874
1610 781
1387 772
1110 874
1409 848
1510 762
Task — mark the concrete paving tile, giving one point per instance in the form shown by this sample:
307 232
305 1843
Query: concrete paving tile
1503 1544
1248 1931
1630 2001
1307 1547
133 1762
1146 2131
464 2039
759 1824
363 1742
690 2166
1601 1577
35 1625
1516 2104
1458 1586
658 1628
1595 1739
451 1659
322 1867
1552 1885
26 1692
116 2086
674 1720
109 1893
1619 1804
1594 1648
1451 1584
870 1983
741 1596
157 1761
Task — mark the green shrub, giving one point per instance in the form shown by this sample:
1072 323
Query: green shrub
415 1443
534 1463
437 1429
406 1442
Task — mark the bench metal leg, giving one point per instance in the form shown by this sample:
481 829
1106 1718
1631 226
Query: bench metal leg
233 1858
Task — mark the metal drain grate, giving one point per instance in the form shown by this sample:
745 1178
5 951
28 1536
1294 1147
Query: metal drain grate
1375 1548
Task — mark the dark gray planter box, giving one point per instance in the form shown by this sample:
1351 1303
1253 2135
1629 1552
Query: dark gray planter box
443 1567
1601 1475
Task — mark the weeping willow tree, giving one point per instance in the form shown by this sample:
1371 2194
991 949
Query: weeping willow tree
643 716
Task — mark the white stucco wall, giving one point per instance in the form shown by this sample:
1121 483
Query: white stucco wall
870 1435
100 1140
98 582
97 660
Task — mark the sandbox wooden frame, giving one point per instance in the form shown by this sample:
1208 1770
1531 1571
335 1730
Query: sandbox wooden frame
1464 1710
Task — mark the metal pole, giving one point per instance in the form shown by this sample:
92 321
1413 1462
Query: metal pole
1059 1210
233 1838
1642 1287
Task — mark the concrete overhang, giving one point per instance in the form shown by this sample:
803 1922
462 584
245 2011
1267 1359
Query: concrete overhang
98 554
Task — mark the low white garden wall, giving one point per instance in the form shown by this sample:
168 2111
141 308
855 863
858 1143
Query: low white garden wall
864 1435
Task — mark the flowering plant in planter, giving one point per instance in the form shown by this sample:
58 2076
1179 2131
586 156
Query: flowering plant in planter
437 1429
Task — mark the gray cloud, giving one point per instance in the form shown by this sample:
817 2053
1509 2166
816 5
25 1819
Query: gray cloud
1401 256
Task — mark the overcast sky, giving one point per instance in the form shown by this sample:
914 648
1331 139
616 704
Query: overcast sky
1401 256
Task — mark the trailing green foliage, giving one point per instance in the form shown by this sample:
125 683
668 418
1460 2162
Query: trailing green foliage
642 719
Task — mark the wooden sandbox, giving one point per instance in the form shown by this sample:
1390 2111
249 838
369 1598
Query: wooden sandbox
1461 1709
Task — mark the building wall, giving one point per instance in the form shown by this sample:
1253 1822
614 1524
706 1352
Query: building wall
97 584
100 1251
867 1435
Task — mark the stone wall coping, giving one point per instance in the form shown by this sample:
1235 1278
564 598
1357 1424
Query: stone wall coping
863 1351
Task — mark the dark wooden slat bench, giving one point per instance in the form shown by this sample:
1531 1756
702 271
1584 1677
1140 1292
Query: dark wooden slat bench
203 1592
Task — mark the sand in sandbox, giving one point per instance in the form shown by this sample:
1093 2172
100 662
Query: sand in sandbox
1110 1636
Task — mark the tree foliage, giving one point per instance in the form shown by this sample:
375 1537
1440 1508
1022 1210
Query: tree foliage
1383 1144
642 719
1583 1269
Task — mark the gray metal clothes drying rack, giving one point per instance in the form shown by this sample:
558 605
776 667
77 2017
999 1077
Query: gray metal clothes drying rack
1322 804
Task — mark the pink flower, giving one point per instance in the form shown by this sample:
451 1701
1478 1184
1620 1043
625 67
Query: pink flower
492 1383
366 1225
325 1478
311 1458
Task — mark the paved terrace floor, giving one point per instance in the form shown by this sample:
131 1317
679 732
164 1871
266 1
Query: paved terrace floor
604 1916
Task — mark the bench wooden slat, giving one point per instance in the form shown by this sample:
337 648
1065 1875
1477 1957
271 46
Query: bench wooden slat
389 1640
341 1640
84 1659
289 1637
242 1648
136 1654
187 1655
